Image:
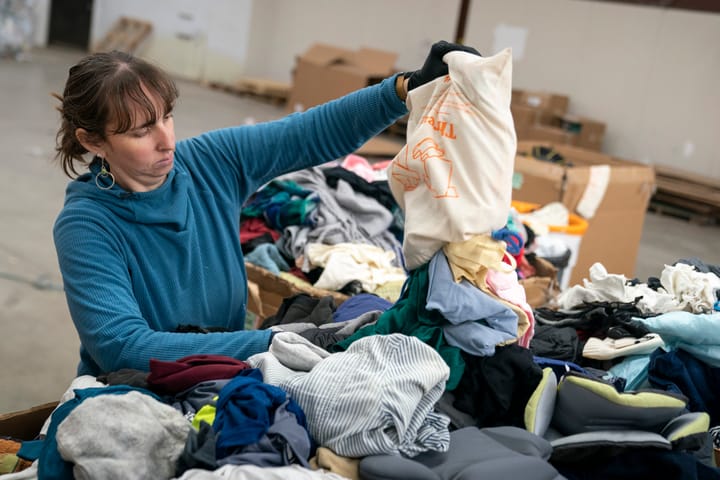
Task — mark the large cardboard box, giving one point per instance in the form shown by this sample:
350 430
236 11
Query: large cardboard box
325 72
614 231
542 116
537 114
589 133
546 133
545 101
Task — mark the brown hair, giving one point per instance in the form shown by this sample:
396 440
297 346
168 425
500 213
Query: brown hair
105 87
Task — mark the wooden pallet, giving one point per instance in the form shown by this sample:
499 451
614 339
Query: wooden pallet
686 195
260 88
681 208
126 35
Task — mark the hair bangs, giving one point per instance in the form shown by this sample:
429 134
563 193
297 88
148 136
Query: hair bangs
134 100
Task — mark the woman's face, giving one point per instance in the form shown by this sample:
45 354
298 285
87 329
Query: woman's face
141 158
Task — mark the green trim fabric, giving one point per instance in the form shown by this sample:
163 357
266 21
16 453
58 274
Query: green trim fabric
686 425
540 407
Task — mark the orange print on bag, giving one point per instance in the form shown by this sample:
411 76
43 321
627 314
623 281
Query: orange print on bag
445 129
438 115
432 157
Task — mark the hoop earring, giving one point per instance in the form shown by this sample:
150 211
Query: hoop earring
104 173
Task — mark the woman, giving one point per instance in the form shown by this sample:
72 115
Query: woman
147 240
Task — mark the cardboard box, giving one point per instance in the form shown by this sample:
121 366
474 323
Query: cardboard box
532 110
542 288
25 424
529 116
553 103
266 291
545 133
325 72
523 118
589 133
614 231
543 116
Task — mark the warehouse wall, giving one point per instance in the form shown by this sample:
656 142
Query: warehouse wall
195 40
649 73
282 29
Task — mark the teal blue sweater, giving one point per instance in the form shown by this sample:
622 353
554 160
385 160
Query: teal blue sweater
137 265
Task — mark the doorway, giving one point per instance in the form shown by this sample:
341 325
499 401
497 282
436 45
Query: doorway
70 23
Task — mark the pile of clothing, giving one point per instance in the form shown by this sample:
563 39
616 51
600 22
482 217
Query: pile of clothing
437 366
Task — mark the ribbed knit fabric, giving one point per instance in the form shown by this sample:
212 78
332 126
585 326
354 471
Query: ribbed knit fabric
137 265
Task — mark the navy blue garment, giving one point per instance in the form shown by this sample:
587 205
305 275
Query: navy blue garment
680 372
355 306
641 463
285 443
561 367
246 409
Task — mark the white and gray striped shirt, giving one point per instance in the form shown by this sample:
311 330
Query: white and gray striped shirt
376 398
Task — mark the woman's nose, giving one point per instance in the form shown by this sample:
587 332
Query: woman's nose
166 136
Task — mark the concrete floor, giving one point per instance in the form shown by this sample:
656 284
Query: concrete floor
38 350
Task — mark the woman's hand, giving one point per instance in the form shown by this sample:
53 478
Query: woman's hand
434 66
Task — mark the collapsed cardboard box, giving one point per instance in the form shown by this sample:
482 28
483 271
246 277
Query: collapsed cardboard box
615 228
325 72
542 116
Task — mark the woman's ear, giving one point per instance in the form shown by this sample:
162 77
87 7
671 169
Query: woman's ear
89 141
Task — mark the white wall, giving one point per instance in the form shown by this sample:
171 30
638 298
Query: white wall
283 29
41 9
195 40
649 73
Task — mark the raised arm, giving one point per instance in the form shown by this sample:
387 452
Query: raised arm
258 153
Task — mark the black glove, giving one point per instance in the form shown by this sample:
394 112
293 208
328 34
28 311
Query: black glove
434 66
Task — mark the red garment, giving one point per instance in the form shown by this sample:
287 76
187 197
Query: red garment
299 273
254 227
178 376
524 268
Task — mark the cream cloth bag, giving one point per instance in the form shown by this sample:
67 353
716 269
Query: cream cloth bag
453 178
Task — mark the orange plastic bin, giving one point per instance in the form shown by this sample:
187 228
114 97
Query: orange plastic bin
571 234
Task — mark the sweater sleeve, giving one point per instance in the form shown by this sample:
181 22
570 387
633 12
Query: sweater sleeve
258 153
106 314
